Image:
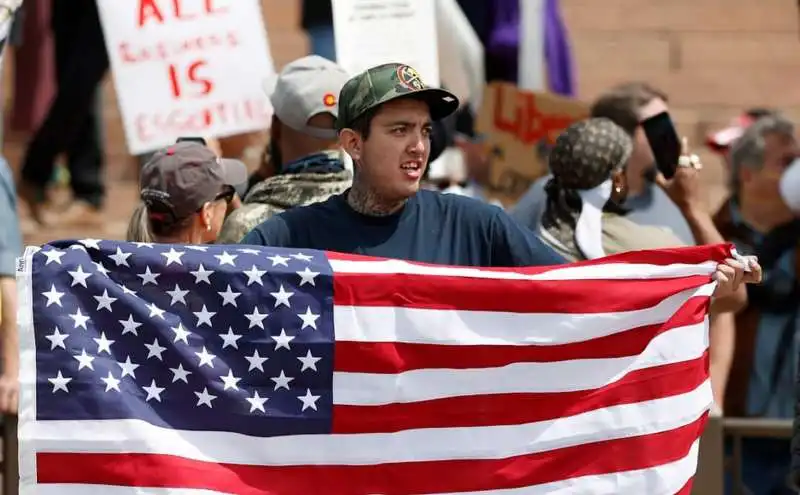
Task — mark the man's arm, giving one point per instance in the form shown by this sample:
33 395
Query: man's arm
515 245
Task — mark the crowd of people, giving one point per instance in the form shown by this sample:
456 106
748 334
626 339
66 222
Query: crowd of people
357 173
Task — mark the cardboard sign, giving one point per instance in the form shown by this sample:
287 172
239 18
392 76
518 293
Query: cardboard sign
375 32
520 127
187 68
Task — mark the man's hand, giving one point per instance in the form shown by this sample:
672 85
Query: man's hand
731 274
9 394
684 188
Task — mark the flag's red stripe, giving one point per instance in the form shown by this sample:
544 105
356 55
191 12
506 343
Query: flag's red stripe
164 471
687 488
689 255
515 296
511 409
399 357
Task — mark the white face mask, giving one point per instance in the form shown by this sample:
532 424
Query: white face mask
790 186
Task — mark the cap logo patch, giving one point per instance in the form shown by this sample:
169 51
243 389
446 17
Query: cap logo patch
170 151
329 100
410 78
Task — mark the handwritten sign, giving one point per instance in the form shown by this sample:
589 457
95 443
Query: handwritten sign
520 127
374 32
187 68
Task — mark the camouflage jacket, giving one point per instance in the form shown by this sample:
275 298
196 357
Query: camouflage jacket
302 185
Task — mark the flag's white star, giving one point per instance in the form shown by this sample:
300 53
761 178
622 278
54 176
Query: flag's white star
105 301
201 275
155 311
256 402
307 277
53 296
121 258
282 381
282 340
143 244
128 368
130 326
309 361
309 400
173 256
180 374
153 391
226 258
91 243
195 247
309 319
181 333
205 358
57 339
302 257
155 350
178 295
229 296
103 344
84 360
148 277
256 362
282 297
127 291
204 398
78 247
111 382
100 268
53 255
254 276
230 339
79 277
59 382
204 316
230 381
256 318
278 260
254 252
80 319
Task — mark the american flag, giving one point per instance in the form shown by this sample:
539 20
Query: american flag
171 369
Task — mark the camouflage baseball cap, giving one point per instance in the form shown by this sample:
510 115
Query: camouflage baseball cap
387 82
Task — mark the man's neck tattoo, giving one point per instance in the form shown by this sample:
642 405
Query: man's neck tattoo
367 202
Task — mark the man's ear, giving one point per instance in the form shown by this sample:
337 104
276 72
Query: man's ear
352 143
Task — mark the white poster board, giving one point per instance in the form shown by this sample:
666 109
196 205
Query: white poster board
187 68
374 32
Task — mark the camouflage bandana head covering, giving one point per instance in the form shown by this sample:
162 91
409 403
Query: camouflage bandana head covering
385 83
582 161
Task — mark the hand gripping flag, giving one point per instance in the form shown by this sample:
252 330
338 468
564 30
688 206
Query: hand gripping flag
169 369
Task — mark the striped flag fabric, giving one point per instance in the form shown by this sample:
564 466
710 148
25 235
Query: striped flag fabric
178 370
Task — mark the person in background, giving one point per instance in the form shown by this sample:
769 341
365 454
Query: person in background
720 141
385 119
71 125
317 21
308 162
186 191
757 220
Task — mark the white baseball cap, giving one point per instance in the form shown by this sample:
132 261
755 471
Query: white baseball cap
307 87
790 186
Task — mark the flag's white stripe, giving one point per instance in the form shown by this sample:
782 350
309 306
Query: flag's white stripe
27 371
665 479
460 327
489 442
609 271
371 389
62 489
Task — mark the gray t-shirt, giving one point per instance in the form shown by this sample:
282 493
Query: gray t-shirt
653 207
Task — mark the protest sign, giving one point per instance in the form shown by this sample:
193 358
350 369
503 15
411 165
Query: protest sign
187 68
520 127
374 32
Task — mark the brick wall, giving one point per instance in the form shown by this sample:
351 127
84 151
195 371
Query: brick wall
713 57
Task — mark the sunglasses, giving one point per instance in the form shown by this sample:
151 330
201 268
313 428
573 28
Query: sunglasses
226 194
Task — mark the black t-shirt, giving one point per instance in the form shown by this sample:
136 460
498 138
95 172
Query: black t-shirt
432 227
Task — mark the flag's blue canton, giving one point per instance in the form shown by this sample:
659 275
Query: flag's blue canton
224 338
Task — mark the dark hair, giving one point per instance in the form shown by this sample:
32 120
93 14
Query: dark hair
363 123
144 227
621 103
